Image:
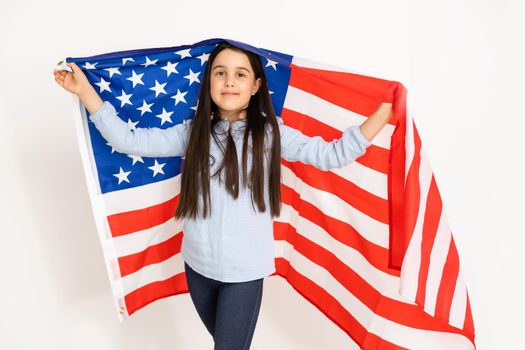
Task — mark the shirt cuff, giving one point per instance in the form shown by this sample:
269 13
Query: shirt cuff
104 109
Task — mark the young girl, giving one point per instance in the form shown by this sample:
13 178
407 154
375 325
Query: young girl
228 242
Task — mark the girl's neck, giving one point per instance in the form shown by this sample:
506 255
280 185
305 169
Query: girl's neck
233 115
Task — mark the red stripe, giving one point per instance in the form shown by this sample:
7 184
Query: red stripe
396 179
154 291
153 254
141 219
410 205
469 322
340 88
430 227
448 283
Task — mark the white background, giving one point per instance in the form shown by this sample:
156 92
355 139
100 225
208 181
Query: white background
462 62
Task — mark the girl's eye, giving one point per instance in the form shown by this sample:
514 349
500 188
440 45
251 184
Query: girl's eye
222 73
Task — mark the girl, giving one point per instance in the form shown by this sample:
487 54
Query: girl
228 243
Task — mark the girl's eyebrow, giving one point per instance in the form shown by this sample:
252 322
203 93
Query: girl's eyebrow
220 65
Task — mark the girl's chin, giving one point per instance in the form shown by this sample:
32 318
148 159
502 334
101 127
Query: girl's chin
230 108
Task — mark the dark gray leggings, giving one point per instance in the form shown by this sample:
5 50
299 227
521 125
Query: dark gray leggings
228 310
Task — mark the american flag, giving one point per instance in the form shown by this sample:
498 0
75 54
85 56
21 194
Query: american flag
368 244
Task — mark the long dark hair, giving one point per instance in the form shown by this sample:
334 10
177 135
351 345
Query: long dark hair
196 167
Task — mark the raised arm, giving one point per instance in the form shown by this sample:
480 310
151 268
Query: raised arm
145 142
325 155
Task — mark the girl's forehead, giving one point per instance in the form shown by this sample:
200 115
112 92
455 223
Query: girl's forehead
230 58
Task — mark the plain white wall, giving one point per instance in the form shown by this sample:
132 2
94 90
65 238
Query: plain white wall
461 61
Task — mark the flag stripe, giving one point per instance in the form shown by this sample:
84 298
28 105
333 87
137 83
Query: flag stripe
159 289
437 262
430 221
418 178
447 290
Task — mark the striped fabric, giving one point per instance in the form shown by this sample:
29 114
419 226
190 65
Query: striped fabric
368 244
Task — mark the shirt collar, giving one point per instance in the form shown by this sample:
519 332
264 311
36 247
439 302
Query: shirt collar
224 124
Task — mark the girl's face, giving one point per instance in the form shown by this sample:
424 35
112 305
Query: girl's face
232 83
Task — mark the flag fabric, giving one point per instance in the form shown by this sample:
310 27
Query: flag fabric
368 244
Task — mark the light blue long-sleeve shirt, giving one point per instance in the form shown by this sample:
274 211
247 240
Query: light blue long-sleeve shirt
235 243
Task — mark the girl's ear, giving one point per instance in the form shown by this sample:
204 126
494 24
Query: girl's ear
257 84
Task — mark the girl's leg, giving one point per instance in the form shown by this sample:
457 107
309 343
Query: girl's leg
203 292
238 306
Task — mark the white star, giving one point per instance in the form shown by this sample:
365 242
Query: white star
124 60
112 148
112 71
193 77
145 108
158 88
122 176
204 57
149 62
132 125
179 97
136 78
157 168
195 107
103 85
124 98
136 159
170 68
183 53
164 116
90 66
271 63
271 92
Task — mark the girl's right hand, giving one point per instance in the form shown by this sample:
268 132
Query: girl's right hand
75 82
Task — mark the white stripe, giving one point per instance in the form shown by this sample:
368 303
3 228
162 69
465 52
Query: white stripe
369 228
438 257
153 273
142 197
401 335
331 114
384 283
368 179
412 260
141 240
458 308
